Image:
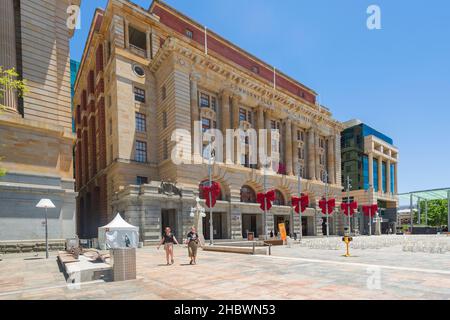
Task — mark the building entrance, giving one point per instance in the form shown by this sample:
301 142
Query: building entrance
169 219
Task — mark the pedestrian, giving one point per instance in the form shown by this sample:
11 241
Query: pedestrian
168 240
192 241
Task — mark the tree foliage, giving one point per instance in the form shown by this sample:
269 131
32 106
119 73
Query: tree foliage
9 80
437 212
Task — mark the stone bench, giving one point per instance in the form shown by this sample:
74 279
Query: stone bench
235 249
273 242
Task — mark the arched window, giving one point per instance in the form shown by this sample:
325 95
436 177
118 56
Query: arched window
206 183
279 198
248 195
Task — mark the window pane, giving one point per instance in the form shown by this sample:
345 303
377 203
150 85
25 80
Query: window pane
139 95
141 151
140 122
204 100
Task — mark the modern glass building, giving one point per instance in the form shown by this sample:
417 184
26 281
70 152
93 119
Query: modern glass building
369 159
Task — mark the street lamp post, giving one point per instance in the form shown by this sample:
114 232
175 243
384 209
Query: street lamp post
46 204
326 201
348 204
299 186
265 202
211 228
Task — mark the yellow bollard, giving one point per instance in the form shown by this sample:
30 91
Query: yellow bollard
347 240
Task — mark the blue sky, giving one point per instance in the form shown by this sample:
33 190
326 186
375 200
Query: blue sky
396 79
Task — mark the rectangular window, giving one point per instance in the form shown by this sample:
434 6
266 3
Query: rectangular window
204 100
189 33
249 117
392 182
300 135
137 41
213 103
165 150
164 119
384 180
141 180
140 122
139 95
110 127
206 124
242 115
163 93
141 151
366 172
375 175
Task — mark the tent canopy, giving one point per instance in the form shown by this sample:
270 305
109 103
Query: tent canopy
119 223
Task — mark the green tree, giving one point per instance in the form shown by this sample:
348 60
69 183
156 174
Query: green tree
9 80
437 212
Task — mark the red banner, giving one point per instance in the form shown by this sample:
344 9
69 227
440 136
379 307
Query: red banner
300 203
214 190
330 204
349 208
370 210
269 196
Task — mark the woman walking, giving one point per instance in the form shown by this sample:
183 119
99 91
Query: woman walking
192 241
168 240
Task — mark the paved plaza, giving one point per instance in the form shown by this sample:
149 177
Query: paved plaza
289 273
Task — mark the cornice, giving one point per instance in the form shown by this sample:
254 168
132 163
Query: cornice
238 80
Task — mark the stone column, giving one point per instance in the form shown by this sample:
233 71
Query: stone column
126 34
8 58
331 160
226 119
395 178
148 41
317 162
260 126
311 155
371 170
288 146
268 128
195 116
235 111
295 158
380 175
388 177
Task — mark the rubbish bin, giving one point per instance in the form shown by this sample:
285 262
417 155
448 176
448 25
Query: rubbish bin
123 262
250 236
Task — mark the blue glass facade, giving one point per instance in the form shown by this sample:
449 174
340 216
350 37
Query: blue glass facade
392 177
383 180
74 66
367 131
366 172
375 174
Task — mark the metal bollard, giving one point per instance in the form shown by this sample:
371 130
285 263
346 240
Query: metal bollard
253 247
270 249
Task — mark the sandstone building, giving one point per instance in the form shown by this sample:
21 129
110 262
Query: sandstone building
145 73
36 136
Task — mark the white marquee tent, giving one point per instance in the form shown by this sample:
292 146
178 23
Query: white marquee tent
118 234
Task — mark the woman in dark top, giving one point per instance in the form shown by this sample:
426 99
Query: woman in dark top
168 240
192 241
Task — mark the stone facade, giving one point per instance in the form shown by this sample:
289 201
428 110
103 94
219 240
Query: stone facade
125 119
35 131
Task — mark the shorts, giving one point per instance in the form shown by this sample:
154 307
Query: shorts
168 245
192 249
